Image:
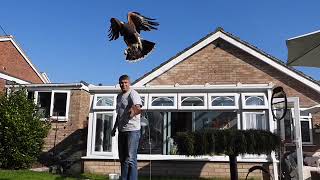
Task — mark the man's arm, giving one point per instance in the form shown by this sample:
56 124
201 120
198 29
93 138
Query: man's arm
136 107
135 110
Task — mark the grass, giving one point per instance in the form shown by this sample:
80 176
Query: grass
30 175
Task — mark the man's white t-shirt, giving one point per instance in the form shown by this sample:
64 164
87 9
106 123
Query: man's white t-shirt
124 102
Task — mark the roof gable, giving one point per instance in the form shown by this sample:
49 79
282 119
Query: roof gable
220 33
24 56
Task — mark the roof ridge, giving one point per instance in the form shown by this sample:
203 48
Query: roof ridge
220 29
270 56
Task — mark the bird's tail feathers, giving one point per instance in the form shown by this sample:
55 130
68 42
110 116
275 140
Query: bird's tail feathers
136 54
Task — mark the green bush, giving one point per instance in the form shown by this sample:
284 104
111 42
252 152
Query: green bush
22 132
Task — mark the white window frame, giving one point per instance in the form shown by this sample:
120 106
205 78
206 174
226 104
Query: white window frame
244 106
93 135
204 95
163 95
244 127
254 156
308 119
104 107
236 99
145 106
59 118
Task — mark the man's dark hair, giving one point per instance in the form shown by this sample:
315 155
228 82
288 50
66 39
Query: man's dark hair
123 77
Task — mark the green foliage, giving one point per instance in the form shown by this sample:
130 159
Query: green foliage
229 142
22 132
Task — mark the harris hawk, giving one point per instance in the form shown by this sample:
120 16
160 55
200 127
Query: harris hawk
138 48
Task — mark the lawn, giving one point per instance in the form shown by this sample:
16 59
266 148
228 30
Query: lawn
30 175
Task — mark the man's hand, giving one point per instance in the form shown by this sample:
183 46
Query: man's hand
113 132
134 110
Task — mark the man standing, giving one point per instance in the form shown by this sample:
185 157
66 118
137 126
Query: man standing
128 124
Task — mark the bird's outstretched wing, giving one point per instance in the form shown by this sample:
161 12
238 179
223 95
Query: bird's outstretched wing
141 22
115 28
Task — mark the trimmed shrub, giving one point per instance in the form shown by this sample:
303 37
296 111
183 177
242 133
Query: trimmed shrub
22 132
227 141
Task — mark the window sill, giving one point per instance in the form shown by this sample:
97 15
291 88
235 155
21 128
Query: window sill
307 144
179 158
52 119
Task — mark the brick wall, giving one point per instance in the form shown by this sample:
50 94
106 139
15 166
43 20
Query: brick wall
2 84
64 132
226 64
12 63
176 168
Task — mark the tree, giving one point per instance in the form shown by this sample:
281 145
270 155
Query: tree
22 132
228 142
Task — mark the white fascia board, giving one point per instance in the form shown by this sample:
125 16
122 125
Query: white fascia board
271 62
181 88
304 35
10 78
5 39
25 57
236 43
52 86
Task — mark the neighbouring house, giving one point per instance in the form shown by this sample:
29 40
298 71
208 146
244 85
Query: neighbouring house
15 66
218 82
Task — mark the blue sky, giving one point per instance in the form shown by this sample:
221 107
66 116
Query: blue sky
68 39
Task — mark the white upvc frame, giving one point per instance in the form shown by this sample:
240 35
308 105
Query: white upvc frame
163 95
93 134
145 106
114 98
205 103
243 99
244 127
59 118
236 100
307 119
254 156
67 105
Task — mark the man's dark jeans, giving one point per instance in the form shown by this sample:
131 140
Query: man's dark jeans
128 143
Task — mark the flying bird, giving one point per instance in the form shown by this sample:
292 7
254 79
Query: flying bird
138 48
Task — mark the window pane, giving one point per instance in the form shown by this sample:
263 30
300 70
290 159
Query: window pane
181 122
162 101
31 95
305 131
44 103
255 121
288 126
105 101
192 101
304 113
254 100
154 121
215 120
60 104
103 132
223 101
143 99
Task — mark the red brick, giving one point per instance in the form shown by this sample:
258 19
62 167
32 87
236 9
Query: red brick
13 63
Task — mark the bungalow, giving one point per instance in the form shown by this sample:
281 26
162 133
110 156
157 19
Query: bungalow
15 66
218 82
